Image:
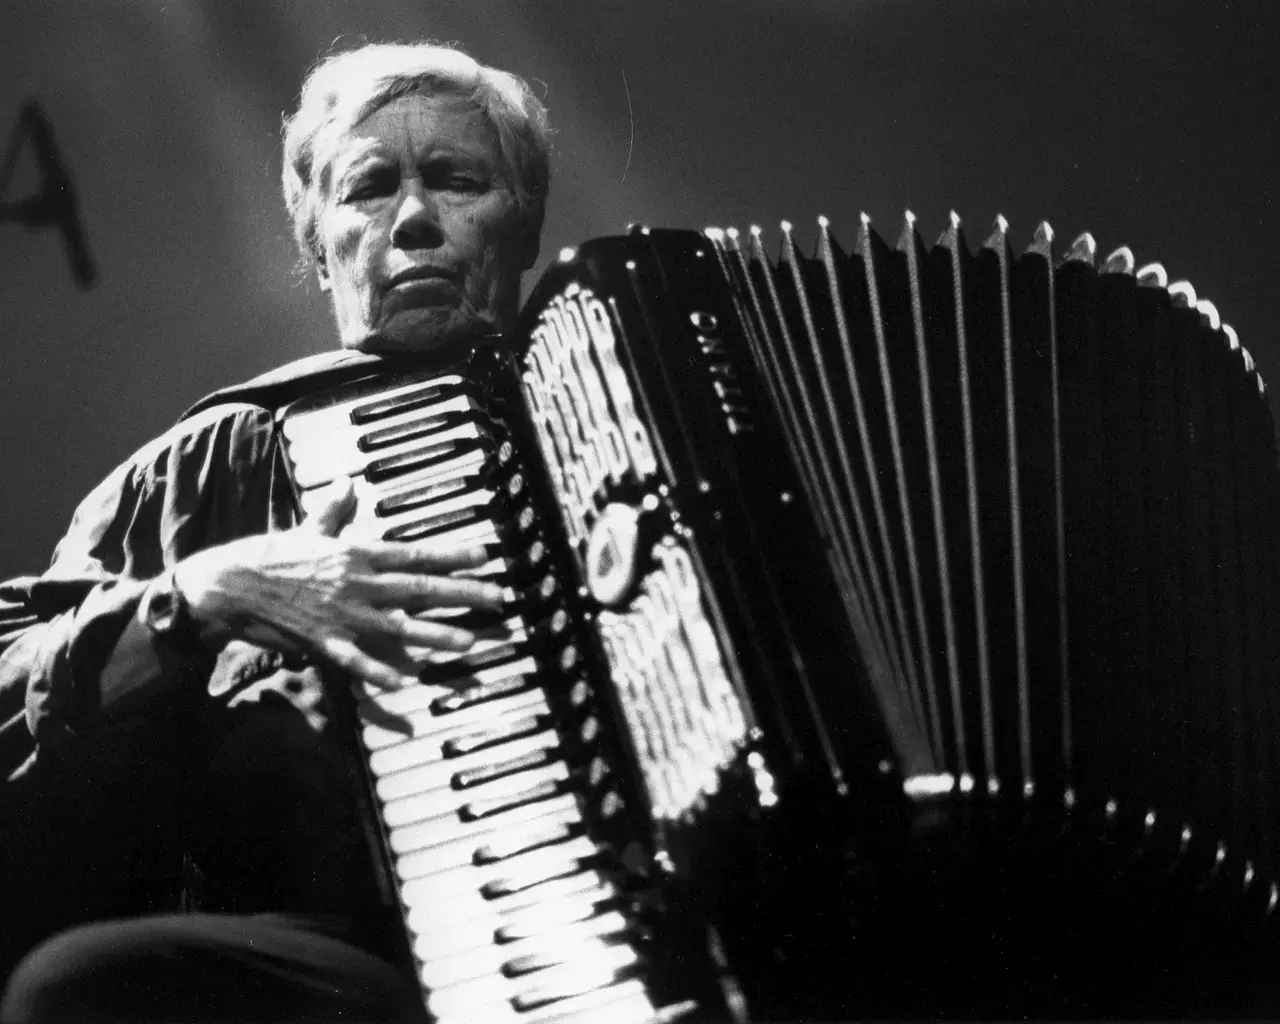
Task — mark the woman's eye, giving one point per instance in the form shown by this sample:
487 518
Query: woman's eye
371 185
459 180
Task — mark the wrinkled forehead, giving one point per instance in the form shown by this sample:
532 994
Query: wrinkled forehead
416 123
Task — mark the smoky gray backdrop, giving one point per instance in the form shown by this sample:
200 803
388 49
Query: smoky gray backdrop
1155 125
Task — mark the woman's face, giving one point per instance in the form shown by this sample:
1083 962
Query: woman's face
420 231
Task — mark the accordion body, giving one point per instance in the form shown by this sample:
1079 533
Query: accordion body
888 634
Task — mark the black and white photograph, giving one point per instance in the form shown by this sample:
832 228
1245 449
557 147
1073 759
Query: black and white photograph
674 512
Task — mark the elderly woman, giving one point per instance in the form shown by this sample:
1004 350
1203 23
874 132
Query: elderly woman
167 731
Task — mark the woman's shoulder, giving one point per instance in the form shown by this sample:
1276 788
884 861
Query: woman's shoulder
248 408
278 387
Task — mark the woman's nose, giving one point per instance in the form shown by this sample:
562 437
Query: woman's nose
417 223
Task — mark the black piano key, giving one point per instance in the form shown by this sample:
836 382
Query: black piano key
431 525
480 694
419 398
473 777
380 470
552 987
619 931
474 810
426 494
532 924
459 746
413 430
522 841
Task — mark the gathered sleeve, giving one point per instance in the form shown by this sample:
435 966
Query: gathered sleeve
215 477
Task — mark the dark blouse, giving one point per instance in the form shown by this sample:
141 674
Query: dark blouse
217 475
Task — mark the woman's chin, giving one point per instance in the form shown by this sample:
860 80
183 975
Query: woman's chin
419 331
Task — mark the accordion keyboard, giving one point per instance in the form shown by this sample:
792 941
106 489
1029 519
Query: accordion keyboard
498 803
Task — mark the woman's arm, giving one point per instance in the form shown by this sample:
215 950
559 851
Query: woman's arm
210 504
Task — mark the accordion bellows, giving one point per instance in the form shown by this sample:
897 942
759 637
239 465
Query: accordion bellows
1048 494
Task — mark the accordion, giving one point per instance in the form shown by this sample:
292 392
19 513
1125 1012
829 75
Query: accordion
888 633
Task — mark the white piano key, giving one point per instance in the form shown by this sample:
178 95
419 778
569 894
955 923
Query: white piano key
498 566
467 919
624 1002
412 753
317 460
455 842
412 725
438 860
412 698
450 475
550 914
434 656
471 535
438 774
466 463
438 802
477 533
462 499
318 419
526 870
306 428
477 501
593 968
556 947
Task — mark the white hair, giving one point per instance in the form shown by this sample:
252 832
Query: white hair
344 88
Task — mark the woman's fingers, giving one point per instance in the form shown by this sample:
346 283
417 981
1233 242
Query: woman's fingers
433 634
350 658
424 558
394 628
402 590
388 661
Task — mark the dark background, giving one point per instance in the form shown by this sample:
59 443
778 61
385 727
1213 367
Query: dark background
1155 125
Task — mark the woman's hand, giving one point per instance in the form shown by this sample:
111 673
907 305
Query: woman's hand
351 604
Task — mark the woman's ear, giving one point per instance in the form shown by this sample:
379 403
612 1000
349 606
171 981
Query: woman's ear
322 274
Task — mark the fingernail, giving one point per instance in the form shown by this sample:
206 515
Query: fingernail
465 639
493 593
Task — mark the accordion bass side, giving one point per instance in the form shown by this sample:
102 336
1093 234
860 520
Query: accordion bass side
888 635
